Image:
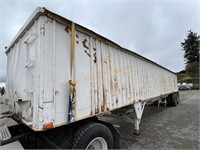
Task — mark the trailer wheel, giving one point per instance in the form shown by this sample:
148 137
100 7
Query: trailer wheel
93 136
178 98
169 100
173 99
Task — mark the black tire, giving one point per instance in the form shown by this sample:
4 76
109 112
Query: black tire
178 98
173 99
169 100
89 131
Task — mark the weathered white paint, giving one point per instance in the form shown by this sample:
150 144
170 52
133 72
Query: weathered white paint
107 76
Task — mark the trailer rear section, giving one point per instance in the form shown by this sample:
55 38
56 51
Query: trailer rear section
60 74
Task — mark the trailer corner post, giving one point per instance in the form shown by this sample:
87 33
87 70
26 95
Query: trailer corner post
138 111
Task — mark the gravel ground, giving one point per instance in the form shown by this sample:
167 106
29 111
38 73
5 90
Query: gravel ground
165 127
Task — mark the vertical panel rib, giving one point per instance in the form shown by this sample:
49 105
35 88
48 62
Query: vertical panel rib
99 75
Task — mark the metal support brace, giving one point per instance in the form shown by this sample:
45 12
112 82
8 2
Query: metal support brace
139 108
162 101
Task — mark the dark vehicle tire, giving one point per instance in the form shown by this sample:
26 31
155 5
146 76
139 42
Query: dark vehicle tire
173 99
169 100
93 135
178 98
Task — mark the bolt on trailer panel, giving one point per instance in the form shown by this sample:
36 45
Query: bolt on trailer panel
49 51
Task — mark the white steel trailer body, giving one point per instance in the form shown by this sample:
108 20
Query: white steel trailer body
50 50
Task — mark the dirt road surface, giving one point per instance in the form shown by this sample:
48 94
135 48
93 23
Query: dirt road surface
165 127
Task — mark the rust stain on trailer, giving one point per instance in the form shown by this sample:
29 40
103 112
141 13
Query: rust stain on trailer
112 90
95 60
48 125
104 101
95 57
96 110
94 54
85 51
85 44
77 41
88 54
77 36
67 29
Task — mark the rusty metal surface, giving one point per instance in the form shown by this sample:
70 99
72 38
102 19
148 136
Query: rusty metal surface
107 76
115 79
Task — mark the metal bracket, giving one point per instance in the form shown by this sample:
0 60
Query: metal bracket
30 38
29 64
162 101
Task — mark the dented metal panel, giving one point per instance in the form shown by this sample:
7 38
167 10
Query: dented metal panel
107 76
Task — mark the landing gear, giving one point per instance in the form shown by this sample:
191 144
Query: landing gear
139 108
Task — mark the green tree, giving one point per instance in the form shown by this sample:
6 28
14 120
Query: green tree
191 47
193 71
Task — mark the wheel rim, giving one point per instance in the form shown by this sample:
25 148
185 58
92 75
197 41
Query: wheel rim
97 143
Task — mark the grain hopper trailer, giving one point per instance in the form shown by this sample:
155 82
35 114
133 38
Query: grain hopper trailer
61 76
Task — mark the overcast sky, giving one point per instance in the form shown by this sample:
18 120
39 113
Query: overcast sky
152 28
